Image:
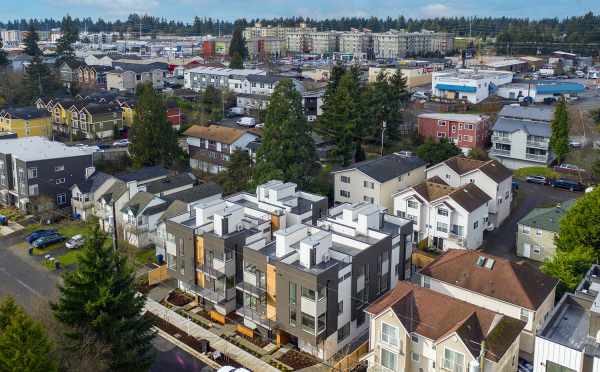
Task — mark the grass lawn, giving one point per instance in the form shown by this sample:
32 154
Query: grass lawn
69 258
13 214
143 256
66 229
535 171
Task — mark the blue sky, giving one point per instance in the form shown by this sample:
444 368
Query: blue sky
185 10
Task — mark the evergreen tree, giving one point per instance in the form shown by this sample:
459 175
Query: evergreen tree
64 45
237 46
153 140
239 172
559 139
100 298
38 77
4 62
212 103
24 344
287 150
236 61
436 152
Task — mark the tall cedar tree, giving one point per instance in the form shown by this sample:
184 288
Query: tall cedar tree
38 77
153 140
24 344
341 119
64 46
287 151
238 174
100 298
237 46
4 62
559 139
436 152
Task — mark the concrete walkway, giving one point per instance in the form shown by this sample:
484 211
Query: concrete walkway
241 356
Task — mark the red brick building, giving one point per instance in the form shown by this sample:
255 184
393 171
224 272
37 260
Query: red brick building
174 114
465 130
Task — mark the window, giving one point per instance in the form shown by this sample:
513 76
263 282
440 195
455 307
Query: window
388 359
340 307
321 322
525 229
308 323
343 332
344 193
524 315
415 338
389 334
537 249
59 168
61 199
33 190
538 232
308 293
426 282
292 301
368 185
32 173
345 179
60 180
369 199
457 230
412 204
442 227
442 212
415 357
475 225
453 361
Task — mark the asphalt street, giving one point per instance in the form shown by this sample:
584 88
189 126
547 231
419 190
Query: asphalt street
172 358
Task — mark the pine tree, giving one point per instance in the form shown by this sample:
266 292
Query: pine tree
38 77
559 139
212 103
237 46
100 298
238 174
236 61
153 140
24 344
4 62
64 46
287 150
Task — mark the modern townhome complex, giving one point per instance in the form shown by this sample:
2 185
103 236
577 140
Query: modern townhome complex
127 76
466 131
199 78
521 136
310 284
32 168
514 289
26 121
445 217
490 176
210 147
374 181
419 329
569 338
538 229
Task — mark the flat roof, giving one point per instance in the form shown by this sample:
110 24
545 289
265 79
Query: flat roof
40 148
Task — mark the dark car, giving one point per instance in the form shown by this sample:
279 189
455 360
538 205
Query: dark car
3 220
39 234
568 184
47 240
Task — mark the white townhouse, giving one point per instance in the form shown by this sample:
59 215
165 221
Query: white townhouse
515 289
490 176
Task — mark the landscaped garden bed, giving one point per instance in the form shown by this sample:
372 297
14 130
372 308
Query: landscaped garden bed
179 298
298 359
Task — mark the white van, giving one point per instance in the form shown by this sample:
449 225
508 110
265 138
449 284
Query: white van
246 121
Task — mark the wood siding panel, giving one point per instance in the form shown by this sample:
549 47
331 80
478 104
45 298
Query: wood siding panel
271 292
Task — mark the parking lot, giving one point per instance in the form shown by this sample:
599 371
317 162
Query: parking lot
502 241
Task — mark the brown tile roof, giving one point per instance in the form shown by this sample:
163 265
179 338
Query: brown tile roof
432 190
469 196
517 283
435 316
217 133
492 168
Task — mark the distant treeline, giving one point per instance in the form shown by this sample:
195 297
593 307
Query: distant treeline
516 34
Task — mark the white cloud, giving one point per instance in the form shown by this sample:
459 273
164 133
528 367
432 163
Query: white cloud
435 10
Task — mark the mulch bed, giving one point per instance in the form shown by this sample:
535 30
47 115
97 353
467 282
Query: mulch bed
179 298
298 359
255 340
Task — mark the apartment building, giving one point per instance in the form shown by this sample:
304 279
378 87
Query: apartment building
418 329
310 284
521 136
210 147
374 181
33 168
256 90
26 121
199 78
395 44
466 131
538 229
468 85
445 217
94 120
490 176
321 42
127 76
514 289
568 340
356 42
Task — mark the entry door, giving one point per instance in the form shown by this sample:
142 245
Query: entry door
527 250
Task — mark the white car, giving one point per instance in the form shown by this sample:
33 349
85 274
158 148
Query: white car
121 143
76 241
571 167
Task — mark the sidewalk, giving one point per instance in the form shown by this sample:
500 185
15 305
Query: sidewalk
241 356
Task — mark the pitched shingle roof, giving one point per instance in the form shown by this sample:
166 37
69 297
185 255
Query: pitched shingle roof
436 316
536 113
217 133
387 167
170 183
547 218
469 196
196 193
517 283
27 113
534 128
93 182
492 168
143 174
138 202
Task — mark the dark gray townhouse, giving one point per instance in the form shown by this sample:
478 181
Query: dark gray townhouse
35 167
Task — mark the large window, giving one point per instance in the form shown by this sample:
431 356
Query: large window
389 334
345 179
388 359
442 211
292 301
343 332
308 323
453 361
443 227
321 322
344 193
308 293
412 204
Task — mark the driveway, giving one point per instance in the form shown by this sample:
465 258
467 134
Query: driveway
172 358
502 241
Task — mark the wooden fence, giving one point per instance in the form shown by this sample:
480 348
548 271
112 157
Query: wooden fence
352 359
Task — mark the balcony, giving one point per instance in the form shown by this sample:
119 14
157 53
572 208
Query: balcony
458 239
209 270
538 144
209 294
501 139
536 157
256 316
250 289
225 267
500 152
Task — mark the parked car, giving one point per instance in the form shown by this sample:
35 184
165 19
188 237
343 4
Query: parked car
47 240
75 242
121 143
568 184
246 121
3 220
575 144
259 125
515 185
39 234
570 167
541 180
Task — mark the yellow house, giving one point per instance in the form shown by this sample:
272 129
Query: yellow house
61 114
128 107
26 121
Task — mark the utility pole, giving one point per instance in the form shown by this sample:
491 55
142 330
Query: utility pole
114 226
382 131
